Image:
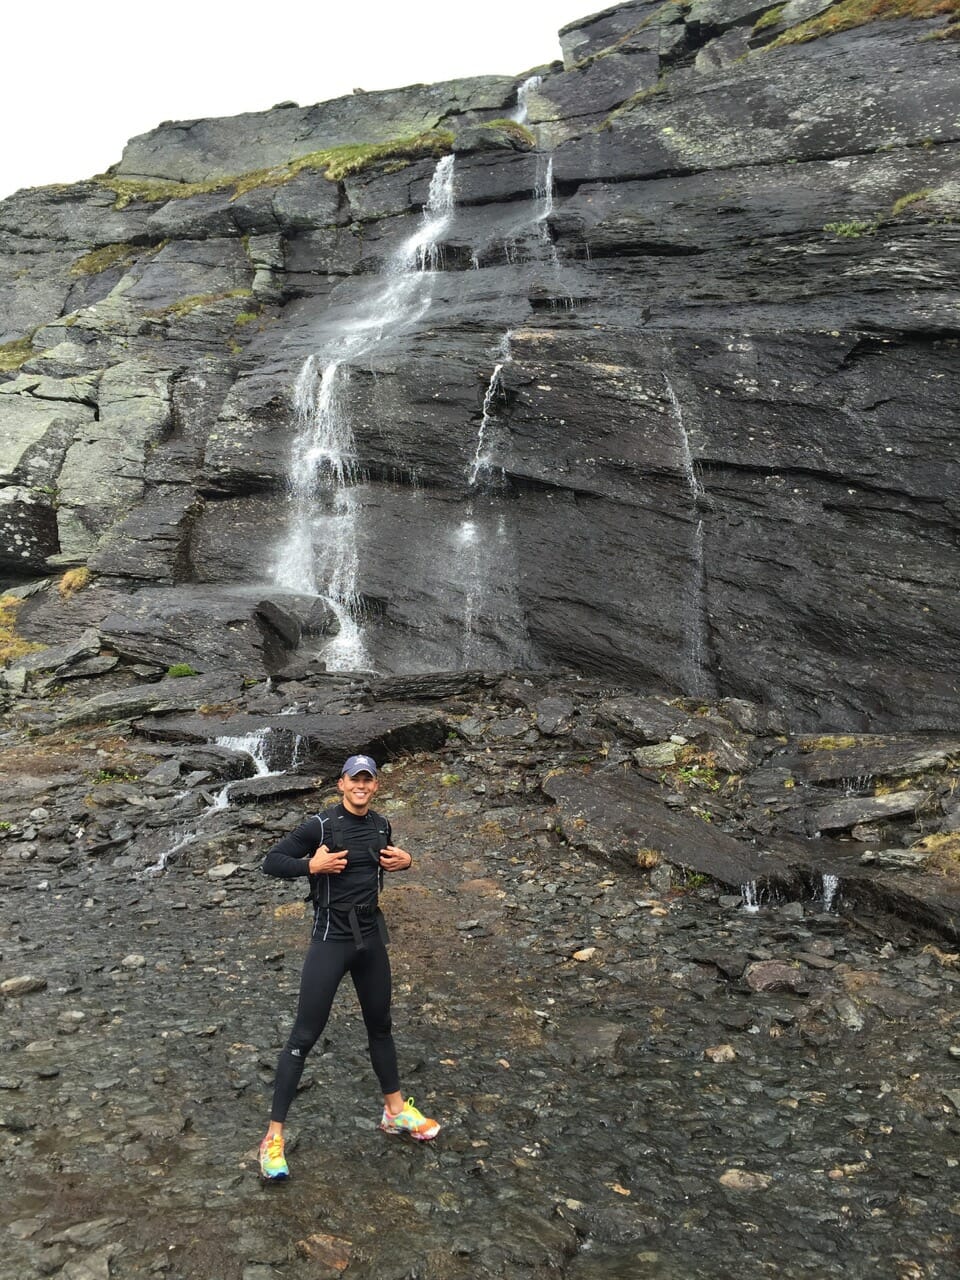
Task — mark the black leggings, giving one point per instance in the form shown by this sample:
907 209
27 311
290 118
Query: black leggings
323 970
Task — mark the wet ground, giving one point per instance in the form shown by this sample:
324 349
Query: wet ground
618 1100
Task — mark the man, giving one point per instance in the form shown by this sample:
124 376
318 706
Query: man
344 851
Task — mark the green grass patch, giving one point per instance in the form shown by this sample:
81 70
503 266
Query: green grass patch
768 19
180 669
847 14
184 306
334 163
108 255
514 129
912 197
14 354
852 230
106 776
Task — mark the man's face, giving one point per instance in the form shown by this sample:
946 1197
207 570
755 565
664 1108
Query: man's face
358 791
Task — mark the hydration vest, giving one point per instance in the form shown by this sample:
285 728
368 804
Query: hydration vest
335 840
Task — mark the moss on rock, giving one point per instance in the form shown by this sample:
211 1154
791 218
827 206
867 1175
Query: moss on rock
13 646
334 163
108 255
847 14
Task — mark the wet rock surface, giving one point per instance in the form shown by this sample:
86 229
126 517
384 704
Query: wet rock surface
704 329
640 1071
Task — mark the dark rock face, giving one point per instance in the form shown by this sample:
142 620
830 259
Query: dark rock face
675 403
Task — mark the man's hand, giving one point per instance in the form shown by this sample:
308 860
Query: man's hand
394 859
325 863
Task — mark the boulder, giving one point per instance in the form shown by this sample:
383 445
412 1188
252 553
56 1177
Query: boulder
842 814
619 815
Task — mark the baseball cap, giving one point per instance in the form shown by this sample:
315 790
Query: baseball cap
359 764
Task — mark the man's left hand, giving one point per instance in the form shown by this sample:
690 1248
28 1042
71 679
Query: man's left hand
394 859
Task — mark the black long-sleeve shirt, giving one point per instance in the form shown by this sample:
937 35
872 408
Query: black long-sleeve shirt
358 884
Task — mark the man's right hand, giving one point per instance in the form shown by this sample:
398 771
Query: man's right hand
325 863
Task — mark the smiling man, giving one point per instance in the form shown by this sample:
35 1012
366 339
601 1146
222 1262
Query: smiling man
344 851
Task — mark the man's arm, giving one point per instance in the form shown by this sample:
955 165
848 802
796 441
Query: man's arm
291 856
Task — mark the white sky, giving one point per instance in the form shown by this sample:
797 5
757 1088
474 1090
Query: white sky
81 77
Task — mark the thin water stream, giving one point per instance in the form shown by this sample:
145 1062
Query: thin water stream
319 555
697 624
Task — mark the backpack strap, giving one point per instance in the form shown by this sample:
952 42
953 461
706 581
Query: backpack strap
333 839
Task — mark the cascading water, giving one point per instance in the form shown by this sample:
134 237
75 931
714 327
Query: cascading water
830 885
252 744
521 112
320 555
484 563
481 460
544 196
479 469
697 620
484 556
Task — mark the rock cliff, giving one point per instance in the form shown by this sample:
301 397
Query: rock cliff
656 380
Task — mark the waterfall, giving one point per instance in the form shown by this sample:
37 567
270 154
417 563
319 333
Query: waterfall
252 744
686 455
697 622
320 555
543 192
484 565
748 893
479 467
468 567
830 885
521 112
423 249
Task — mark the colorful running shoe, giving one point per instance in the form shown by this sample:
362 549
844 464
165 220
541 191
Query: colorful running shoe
273 1164
410 1121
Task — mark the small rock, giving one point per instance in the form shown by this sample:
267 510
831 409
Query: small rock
24 1228
720 1053
22 986
222 871
661 879
813 961
586 953
848 1013
774 975
164 774
743 1180
133 961
327 1251
658 756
